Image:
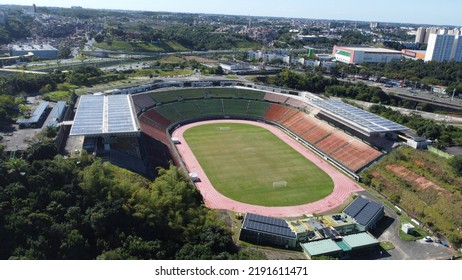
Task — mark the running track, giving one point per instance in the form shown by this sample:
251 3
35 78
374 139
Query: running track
343 185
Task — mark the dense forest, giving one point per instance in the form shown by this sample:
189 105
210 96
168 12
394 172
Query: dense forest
53 207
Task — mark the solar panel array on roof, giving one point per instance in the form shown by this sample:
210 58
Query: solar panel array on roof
355 207
368 121
368 212
104 115
267 225
363 210
120 115
89 116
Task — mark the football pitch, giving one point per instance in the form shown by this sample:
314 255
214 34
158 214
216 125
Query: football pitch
250 164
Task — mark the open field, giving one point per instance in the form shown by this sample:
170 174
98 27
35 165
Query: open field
424 185
166 46
251 165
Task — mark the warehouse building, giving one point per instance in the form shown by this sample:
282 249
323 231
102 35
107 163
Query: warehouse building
42 51
358 55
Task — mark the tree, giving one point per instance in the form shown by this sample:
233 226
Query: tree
456 163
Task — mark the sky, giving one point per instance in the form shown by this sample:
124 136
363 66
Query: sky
441 12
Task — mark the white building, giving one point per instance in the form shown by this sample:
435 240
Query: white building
358 55
444 47
42 51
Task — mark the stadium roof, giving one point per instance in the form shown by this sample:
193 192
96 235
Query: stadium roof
360 240
36 115
104 115
363 210
267 225
368 122
322 247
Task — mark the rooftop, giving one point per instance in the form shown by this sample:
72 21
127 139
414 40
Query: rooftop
98 115
369 122
321 247
371 50
359 240
267 225
336 220
363 210
32 47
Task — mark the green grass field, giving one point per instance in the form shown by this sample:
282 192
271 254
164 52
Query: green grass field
250 164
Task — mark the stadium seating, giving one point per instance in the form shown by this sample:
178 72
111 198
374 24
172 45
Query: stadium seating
275 111
142 101
177 105
276 98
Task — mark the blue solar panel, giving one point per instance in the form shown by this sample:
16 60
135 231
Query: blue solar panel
363 210
356 206
267 225
104 114
89 116
368 212
368 121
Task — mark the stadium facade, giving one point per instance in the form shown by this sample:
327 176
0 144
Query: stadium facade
358 55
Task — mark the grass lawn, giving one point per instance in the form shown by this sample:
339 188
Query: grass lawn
250 164
56 96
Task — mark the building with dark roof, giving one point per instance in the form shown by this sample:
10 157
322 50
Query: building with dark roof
260 230
365 212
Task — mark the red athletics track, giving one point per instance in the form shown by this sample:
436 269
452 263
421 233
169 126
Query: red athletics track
343 185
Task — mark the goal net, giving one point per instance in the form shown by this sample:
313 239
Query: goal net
224 128
279 184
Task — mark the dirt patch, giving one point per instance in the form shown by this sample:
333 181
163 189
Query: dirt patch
418 181
419 162
279 254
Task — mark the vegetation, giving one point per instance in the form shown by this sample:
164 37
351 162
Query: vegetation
238 164
443 135
291 79
428 189
81 208
56 96
166 46
415 73
456 163
17 27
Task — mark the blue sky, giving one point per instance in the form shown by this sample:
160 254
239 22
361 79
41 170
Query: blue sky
442 12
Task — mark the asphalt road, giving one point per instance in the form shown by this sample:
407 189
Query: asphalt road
406 250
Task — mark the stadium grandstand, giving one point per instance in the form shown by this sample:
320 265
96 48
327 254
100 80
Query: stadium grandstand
325 126
161 110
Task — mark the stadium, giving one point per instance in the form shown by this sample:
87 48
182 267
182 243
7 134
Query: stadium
249 150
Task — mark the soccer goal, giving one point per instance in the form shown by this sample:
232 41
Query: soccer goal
279 184
224 128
